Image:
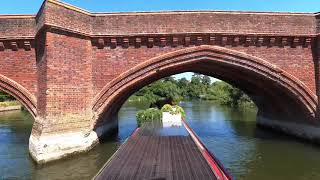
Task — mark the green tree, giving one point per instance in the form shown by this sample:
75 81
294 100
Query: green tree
200 87
206 80
170 79
5 97
161 90
196 79
183 84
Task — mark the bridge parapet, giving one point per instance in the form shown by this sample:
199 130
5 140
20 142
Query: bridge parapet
204 22
17 26
66 17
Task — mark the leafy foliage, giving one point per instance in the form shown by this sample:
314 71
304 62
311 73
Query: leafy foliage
166 108
179 110
161 90
5 97
199 87
148 115
173 110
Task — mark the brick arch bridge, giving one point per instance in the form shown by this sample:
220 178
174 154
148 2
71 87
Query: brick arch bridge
20 93
259 78
73 69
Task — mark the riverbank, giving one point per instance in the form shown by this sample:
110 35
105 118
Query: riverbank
10 106
242 105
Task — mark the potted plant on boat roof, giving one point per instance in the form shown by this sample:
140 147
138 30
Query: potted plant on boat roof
172 115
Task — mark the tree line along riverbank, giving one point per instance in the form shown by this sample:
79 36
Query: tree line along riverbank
163 93
171 91
8 103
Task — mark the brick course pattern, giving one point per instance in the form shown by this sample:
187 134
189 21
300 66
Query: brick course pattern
74 69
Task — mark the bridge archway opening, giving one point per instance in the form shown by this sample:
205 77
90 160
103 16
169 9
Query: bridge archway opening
277 94
22 95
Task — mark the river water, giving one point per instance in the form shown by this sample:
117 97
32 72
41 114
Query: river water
248 152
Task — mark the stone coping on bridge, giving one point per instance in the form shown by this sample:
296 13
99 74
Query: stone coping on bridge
72 7
65 17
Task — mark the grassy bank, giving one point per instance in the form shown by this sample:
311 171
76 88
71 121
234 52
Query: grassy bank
9 103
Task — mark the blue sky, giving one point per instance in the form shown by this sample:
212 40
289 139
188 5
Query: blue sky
32 6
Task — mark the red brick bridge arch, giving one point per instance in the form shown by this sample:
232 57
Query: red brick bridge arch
73 69
255 76
20 93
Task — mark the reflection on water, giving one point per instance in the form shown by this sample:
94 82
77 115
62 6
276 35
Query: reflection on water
248 152
15 163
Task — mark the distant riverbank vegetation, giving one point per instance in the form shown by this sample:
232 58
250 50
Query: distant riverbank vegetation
9 103
6 97
171 91
7 100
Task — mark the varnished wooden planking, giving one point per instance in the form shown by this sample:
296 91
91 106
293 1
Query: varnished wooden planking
149 156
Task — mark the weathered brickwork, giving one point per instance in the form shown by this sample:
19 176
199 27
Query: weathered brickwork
74 69
298 61
63 17
17 26
199 22
18 71
67 69
19 64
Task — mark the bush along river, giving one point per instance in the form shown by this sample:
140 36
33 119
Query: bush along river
248 152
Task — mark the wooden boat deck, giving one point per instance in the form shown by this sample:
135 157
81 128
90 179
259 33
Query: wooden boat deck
150 155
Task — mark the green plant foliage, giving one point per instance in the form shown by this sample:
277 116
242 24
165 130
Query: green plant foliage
159 90
173 110
148 115
179 110
199 87
166 108
5 97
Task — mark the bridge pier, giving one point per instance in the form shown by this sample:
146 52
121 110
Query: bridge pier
50 147
63 125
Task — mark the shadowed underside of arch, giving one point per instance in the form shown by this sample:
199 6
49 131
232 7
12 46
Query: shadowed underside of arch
255 76
20 93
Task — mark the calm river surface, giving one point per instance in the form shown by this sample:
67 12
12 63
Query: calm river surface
248 152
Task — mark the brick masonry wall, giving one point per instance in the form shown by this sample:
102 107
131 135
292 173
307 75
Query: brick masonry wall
20 66
109 63
223 22
17 26
65 73
72 69
63 17
95 24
